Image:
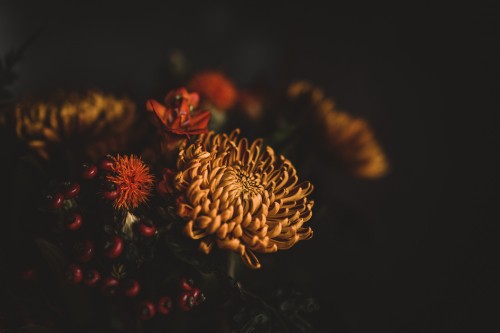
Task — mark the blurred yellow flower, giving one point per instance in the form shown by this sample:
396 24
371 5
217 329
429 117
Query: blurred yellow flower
349 139
92 121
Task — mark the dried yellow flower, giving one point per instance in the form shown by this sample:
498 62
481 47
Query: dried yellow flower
96 120
241 196
350 139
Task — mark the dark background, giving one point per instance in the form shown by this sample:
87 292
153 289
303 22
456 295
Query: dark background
413 252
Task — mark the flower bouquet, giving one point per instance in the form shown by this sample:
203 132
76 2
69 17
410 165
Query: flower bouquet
168 214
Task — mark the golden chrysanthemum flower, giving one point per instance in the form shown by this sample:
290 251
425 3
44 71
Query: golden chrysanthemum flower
216 88
350 139
133 179
93 121
241 196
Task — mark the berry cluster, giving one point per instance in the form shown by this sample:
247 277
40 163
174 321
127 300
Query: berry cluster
109 286
70 190
101 252
189 296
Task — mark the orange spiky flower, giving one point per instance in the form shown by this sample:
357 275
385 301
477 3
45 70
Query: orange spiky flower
216 88
133 179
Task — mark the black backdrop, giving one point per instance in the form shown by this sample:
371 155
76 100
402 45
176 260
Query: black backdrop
413 252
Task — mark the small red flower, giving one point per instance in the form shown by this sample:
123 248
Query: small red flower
216 88
179 115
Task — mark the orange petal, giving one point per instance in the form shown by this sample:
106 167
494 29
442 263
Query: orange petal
194 99
200 120
160 111
250 259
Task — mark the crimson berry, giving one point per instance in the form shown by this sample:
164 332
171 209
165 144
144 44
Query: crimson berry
146 310
164 305
56 201
186 283
111 191
131 288
29 274
109 286
111 195
201 298
71 190
84 250
186 301
106 164
91 278
74 274
89 171
198 296
113 247
74 221
146 228
196 292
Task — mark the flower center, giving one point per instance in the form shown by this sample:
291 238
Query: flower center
243 184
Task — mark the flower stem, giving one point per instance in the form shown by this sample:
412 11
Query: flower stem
231 264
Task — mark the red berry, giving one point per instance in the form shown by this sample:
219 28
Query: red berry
106 164
89 171
113 247
131 288
28 274
146 310
164 305
74 274
196 292
186 301
146 228
198 296
74 221
91 278
110 286
71 190
111 195
84 250
186 284
56 201
111 191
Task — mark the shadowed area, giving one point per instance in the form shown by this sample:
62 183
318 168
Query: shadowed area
414 251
